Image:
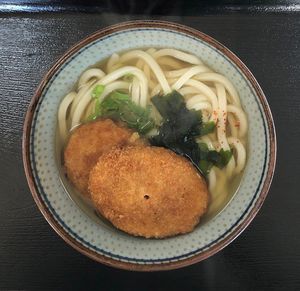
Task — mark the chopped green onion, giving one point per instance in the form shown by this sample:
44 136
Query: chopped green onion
119 106
97 91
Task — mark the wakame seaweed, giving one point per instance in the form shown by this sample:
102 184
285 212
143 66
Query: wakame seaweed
179 130
118 106
209 158
178 120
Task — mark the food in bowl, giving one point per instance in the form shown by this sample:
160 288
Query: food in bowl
189 131
73 216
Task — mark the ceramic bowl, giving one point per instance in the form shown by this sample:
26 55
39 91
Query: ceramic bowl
100 241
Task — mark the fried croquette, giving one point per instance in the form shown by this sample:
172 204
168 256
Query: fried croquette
86 144
148 191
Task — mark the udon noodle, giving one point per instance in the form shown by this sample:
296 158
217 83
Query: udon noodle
144 73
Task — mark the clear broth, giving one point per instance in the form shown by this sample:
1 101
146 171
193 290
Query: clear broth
88 208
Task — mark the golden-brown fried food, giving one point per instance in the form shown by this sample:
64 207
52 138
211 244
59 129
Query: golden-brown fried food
86 144
148 191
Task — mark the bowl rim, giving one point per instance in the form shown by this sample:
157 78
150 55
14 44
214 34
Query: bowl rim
128 265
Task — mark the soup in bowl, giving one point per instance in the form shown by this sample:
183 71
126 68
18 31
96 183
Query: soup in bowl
149 145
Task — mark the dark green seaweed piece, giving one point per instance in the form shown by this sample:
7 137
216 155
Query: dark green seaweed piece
179 130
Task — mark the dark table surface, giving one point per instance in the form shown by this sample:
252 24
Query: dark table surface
266 256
